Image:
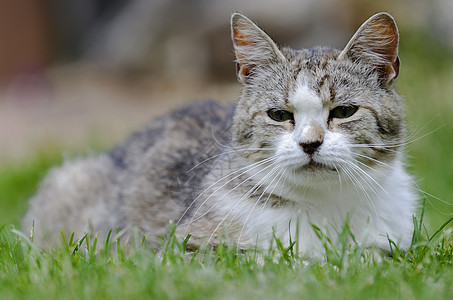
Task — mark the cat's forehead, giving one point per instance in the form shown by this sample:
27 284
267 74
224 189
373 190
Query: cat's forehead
311 58
313 65
319 71
311 73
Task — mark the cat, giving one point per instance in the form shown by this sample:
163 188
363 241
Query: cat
316 139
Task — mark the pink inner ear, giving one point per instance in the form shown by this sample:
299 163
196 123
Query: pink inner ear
388 34
377 43
243 71
241 39
386 38
252 47
396 66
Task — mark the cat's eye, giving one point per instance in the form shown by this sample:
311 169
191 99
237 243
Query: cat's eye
342 112
280 115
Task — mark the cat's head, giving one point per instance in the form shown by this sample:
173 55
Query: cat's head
313 113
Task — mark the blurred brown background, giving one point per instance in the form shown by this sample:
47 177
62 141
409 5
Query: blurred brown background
90 71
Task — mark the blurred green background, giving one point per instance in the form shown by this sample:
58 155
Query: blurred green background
77 75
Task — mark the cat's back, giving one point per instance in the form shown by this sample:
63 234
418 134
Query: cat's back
179 136
146 179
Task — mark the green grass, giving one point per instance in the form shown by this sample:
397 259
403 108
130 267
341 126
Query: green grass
425 271
348 272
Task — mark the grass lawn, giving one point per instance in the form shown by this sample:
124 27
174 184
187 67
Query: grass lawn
423 272
426 271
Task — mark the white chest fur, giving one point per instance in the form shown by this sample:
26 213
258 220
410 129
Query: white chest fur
375 213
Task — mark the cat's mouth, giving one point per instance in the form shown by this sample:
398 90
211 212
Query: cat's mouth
314 166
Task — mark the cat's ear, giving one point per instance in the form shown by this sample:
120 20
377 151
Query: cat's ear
252 46
376 42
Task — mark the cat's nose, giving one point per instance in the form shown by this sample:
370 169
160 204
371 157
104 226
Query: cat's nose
312 137
310 147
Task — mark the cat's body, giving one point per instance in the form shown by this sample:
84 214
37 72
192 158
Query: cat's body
315 139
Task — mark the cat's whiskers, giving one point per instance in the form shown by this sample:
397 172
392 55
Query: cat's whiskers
234 150
246 170
358 186
340 181
366 178
218 142
279 176
281 192
415 186
370 178
415 132
374 160
372 185
356 180
406 141
222 198
241 172
374 182
329 160
345 170
425 197
245 196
